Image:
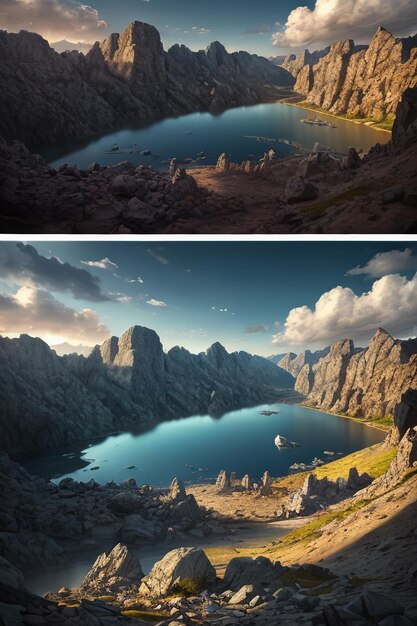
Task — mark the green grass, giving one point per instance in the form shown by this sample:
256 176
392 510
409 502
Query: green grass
313 530
308 577
146 616
314 211
372 460
189 586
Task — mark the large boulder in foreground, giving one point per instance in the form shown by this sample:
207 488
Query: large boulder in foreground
405 125
110 572
243 570
181 569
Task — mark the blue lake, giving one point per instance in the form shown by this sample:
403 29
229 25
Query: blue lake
195 449
235 132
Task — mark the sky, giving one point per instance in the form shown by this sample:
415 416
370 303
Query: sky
262 297
270 27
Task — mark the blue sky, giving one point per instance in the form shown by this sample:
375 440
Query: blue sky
263 297
238 24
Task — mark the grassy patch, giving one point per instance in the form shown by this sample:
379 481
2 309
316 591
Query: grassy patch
308 577
146 616
373 461
189 586
314 211
313 530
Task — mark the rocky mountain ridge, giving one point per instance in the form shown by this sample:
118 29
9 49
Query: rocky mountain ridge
49 400
47 96
294 363
370 383
359 81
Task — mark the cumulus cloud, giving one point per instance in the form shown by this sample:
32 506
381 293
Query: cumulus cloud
387 263
23 264
158 303
332 20
257 328
34 311
104 264
53 19
340 313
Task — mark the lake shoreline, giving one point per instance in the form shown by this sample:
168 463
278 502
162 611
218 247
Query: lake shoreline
357 420
299 104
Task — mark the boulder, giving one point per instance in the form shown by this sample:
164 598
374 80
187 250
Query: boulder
125 502
180 568
184 183
377 606
123 185
353 160
110 572
223 163
298 190
318 163
243 570
266 489
136 529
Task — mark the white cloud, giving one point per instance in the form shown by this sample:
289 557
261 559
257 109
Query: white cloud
121 297
387 263
135 280
53 19
36 312
340 313
158 303
157 256
104 264
332 20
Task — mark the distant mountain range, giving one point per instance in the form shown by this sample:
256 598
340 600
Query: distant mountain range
48 400
67 348
63 46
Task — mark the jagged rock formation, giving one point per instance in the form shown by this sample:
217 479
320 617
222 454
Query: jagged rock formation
302 64
49 400
317 494
119 568
182 564
47 96
294 363
368 82
369 383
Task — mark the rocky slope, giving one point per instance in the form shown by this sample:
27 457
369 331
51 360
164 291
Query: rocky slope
370 383
366 82
48 96
49 400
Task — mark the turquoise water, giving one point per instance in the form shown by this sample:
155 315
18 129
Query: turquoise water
233 132
195 449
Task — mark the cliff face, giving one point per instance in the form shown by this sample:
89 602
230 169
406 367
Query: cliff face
47 96
370 383
49 400
366 82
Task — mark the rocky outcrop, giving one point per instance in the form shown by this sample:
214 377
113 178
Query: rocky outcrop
178 567
244 570
317 494
113 571
48 96
370 383
49 400
294 363
366 82
43 520
300 66
119 198
404 130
